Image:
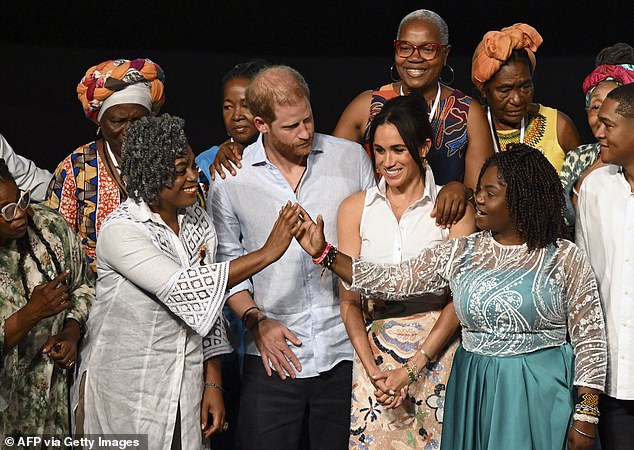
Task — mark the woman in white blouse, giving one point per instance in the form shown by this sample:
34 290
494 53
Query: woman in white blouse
533 333
391 223
157 316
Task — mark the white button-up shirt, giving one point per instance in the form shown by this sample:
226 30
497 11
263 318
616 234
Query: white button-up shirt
292 290
605 231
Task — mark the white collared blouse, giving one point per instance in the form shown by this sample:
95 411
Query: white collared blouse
158 294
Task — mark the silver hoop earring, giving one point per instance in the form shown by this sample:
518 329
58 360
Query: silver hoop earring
394 78
453 76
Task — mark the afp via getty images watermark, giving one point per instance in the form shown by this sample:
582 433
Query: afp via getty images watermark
86 442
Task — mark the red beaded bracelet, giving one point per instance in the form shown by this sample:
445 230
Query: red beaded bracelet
323 255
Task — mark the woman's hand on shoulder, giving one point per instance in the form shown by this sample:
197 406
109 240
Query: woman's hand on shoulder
451 204
228 158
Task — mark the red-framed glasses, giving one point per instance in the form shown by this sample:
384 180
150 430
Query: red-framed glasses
426 50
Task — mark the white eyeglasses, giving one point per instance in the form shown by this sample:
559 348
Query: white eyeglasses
8 211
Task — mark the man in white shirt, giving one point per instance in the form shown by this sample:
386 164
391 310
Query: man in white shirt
297 367
27 175
605 231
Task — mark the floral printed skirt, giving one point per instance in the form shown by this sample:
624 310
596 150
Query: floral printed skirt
417 423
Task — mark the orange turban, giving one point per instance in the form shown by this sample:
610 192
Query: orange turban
496 47
103 80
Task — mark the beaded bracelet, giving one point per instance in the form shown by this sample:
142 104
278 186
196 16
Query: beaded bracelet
581 417
412 372
584 409
323 255
209 384
589 399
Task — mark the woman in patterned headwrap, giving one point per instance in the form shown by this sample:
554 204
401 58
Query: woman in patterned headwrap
87 185
502 71
614 67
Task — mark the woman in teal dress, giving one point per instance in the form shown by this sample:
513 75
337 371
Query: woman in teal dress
533 334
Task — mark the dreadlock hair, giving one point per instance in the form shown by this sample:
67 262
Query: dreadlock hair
534 196
24 243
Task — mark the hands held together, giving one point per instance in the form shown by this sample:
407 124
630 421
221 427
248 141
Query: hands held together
294 221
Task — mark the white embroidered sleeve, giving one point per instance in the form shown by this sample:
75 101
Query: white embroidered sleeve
586 325
194 294
420 275
218 340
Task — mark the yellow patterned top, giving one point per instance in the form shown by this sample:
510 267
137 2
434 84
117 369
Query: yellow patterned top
541 133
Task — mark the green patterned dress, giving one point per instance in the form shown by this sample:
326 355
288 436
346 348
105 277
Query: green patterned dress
33 390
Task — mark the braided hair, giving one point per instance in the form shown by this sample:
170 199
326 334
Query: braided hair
534 196
25 249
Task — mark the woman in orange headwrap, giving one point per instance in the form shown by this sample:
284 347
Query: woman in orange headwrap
87 184
502 70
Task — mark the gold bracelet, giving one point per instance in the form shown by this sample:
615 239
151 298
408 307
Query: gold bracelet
426 355
583 434
209 384
411 372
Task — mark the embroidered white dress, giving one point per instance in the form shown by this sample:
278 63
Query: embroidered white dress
517 310
158 294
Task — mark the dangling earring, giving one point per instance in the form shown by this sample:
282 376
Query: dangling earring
394 78
98 130
453 75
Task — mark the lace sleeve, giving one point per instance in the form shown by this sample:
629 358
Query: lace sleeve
423 274
585 321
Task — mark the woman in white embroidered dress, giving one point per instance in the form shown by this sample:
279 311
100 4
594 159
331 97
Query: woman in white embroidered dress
157 316
519 290
391 223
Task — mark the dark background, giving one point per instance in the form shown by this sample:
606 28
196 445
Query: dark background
341 47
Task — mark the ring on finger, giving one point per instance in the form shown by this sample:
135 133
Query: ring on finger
70 364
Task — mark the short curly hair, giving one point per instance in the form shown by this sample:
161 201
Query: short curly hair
150 147
534 195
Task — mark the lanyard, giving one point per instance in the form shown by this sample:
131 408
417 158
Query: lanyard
434 105
494 134
112 158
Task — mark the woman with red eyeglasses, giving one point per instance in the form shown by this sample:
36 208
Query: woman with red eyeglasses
461 141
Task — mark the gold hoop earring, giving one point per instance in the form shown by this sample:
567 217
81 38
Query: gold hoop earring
98 130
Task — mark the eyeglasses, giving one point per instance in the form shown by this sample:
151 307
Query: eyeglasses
426 51
9 211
